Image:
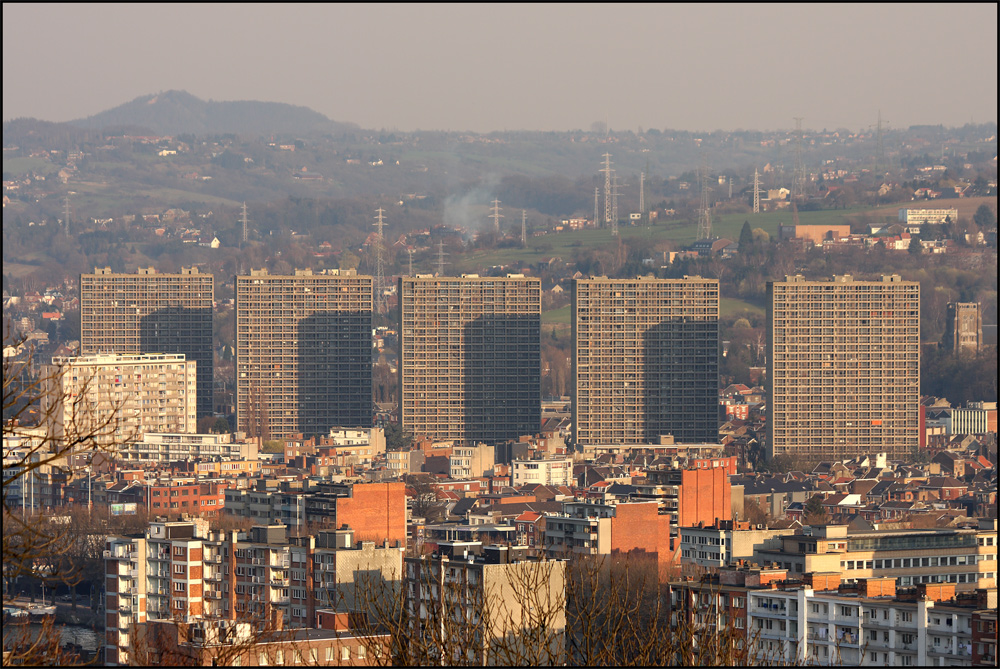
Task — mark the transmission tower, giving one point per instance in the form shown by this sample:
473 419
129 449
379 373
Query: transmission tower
704 213
614 204
381 305
880 162
410 252
799 173
730 188
608 177
243 219
756 191
441 261
642 188
496 215
597 221
524 235
66 213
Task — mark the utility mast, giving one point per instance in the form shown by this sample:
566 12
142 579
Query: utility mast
614 204
381 305
410 251
597 221
756 191
496 216
880 162
799 174
243 220
524 230
608 176
704 213
642 198
66 214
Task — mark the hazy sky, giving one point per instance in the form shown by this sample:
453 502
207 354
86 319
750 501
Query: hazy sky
506 67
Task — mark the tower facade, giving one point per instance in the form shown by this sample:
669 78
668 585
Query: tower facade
470 367
964 329
844 367
148 312
645 360
303 352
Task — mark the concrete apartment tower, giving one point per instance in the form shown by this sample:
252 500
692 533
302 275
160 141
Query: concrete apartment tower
843 367
149 312
470 368
645 360
303 352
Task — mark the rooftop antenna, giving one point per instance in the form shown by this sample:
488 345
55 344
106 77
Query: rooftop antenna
608 174
380 302
441 261
496 215
524 220
704 213
756 191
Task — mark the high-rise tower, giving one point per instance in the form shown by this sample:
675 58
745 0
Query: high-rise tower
645 360
303 351
469 357
843 367
148 312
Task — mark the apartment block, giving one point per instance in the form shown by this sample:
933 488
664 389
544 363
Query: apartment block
914 218
185 572
687 497
542 471
164 448
375 511
645 360
470 367
150 312
585 528
966 558
843 366
471 461
725 543
487 597
120 397
817 620
303 352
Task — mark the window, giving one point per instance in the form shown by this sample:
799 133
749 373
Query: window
329 654
279 657
178 586
362 652
179 569
345 653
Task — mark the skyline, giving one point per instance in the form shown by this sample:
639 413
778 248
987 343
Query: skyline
511 67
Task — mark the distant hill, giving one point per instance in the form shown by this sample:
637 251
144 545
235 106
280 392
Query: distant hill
177 112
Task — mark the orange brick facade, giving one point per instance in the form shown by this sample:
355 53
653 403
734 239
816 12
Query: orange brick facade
705 496
375 511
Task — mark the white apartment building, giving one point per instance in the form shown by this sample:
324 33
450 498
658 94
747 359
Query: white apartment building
120 397
829 628
917 217
547 471
471 461
170 447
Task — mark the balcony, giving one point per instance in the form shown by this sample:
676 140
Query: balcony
280 600
213 594
279 581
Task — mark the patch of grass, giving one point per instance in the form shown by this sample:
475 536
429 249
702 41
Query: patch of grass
20 167
558 316
731 306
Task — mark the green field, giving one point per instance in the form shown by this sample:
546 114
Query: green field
19 167
566 245
731 306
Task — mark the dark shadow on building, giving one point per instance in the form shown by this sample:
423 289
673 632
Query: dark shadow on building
681 377
183 330
502 380
332 375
